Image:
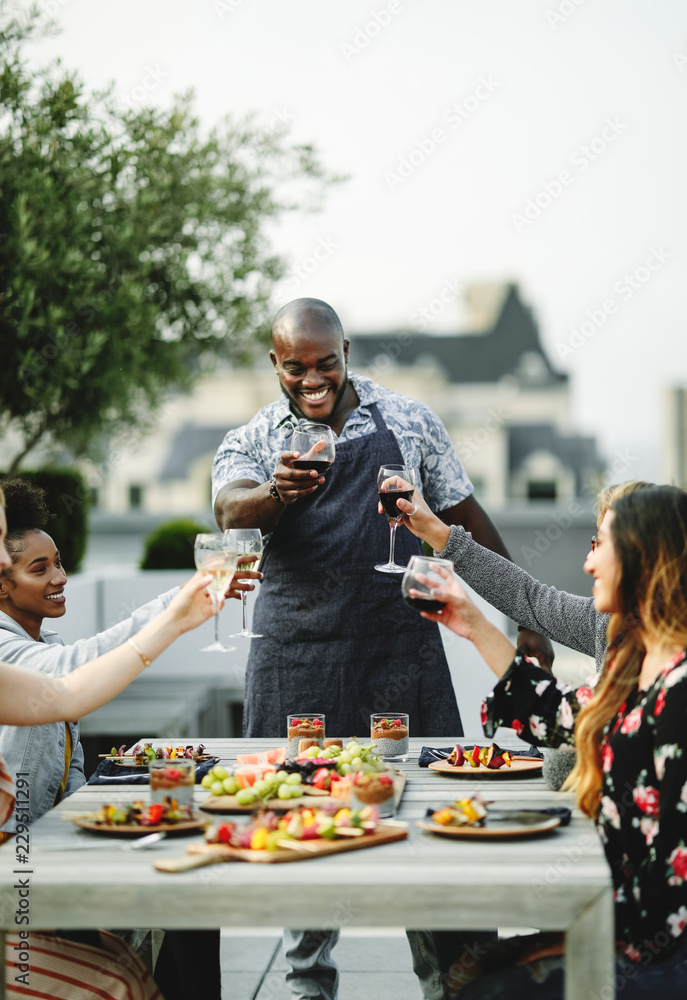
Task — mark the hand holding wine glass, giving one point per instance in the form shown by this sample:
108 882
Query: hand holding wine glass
214 557
430 586
247 543
315 445
394 482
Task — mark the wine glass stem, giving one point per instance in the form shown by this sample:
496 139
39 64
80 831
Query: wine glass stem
392 539
243 608
217 627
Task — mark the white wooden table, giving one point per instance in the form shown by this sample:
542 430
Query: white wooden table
556 882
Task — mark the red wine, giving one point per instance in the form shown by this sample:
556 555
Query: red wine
388 500
311 463
424 603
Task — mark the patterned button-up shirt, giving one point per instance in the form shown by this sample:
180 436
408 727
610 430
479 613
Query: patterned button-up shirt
253 451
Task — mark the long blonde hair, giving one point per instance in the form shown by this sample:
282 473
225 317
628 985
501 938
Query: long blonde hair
649 534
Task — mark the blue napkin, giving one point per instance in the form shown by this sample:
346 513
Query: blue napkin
429 754
109 773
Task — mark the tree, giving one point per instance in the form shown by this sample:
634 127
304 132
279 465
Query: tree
133 247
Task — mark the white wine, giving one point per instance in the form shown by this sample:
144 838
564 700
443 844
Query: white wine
250 563
221 578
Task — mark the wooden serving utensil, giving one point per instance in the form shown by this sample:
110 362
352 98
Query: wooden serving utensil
190 861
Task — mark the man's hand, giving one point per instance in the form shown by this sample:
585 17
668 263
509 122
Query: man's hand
238 583
293 484
537 645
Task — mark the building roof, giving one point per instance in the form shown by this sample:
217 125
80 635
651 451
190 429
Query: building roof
503 339
190 444
576 452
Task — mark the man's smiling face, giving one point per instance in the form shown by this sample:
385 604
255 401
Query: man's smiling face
310 359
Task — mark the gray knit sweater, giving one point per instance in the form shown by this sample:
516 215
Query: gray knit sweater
566 618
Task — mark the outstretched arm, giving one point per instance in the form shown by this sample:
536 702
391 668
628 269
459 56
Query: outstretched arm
30 699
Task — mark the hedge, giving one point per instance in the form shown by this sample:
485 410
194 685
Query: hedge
68 499
170 546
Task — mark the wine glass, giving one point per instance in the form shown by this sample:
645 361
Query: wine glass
394 482
426 566
315 442
247 542
213 556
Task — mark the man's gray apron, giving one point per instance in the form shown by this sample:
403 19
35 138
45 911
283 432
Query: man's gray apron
337 636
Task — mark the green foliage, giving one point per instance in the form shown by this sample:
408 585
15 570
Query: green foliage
170 546
133 248
67 499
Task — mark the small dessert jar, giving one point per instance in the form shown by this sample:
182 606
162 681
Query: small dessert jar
303 727
372 790
172 779
389 733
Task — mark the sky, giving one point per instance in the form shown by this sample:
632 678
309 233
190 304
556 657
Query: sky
535 141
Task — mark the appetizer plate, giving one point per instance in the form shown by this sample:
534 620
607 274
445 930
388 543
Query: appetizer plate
519 766
129 761
500 823
228 804
196 823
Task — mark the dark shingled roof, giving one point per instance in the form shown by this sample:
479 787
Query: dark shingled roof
482 357
190 444
577 453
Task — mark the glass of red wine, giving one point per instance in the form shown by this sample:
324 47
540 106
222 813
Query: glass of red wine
315 442
424 567
394 482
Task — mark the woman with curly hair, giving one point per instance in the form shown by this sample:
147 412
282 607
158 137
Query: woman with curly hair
631 770
31 591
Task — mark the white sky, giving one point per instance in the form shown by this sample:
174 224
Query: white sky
553 86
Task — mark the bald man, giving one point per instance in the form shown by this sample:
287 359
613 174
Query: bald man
337 637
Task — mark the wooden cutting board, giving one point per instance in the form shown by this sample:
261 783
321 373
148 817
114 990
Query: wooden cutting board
209 854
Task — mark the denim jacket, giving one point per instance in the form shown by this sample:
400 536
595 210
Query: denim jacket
39 750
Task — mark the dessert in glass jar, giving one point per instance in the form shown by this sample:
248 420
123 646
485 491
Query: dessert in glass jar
389 733
308 726
172 779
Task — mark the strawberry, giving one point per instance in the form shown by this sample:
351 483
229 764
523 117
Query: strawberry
317 722
295 722
397 723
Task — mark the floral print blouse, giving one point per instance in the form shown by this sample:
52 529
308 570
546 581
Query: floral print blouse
643 812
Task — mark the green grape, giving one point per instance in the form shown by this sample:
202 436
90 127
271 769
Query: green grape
230 785
357 763
345 768
220 772
217 788
262 786
282 775
345 757
294 779
284 792
245 796
207 781
296 791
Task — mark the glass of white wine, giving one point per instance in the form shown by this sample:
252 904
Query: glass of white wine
213 555
247 542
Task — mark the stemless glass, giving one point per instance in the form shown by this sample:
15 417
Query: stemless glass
425 566
315 442
394 482
212 555
247 543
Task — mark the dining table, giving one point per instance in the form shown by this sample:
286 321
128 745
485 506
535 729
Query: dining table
554 881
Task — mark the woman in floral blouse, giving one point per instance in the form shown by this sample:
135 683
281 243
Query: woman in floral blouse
631 738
